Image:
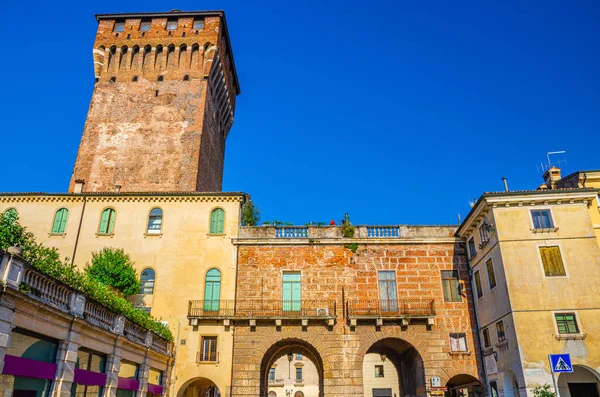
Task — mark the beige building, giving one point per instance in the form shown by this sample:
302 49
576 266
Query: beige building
181 246
293 375
535 268
380 376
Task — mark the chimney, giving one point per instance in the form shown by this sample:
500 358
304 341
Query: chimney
551 176
78 187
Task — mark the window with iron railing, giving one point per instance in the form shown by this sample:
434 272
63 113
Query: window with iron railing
209 349
500 331
484 235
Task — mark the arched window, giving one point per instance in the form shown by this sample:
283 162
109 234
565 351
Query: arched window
217 220
107 222
155 221
298 394
272 394
147 282
11 212
212 290
60 221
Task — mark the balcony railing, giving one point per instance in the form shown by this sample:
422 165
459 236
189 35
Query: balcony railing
261 308
276 382
291 232
375 308
383 231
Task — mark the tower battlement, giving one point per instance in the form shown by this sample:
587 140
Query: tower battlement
163 103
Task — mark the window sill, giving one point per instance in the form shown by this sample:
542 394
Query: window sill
57 234
488 350
299 383
458 354
570 336
545 230
153 235
473 256
215 234
207 362
482 245
105 235
502 343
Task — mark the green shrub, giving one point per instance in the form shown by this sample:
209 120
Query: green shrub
113 267
543 391
47 261
250 214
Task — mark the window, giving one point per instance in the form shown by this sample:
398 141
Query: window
299 393
88 361
217 220
147 282
450 286
60 221
478 285
155 221
145 26
542 219
11 212
388 298
566 323
298 357
212 290
119 27
486 338
494 388
500 331
107 222
272 374
491 274
172 25
379 371
552 261
291 292
484 235
472 248
199 23
298 374
209 348
458 342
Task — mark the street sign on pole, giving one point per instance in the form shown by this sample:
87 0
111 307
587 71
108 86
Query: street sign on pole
561 363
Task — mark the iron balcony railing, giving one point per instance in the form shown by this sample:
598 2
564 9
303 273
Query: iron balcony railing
368 308
262 308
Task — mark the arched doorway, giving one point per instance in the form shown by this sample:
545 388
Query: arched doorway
582 382
199 387
291 366
392 367
464 385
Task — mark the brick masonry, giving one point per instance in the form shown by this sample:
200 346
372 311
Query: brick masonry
330 272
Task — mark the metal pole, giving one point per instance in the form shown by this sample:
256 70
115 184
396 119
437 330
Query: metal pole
553 378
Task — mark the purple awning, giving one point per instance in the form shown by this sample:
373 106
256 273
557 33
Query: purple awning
155 389
28 368
89 378
128 384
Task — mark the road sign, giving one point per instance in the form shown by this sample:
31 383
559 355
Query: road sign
561 363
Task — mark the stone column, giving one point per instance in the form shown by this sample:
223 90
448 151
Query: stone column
66 358
7 314
113 364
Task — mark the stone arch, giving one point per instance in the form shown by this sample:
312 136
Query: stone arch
147 59
183 61
289 346
171 60
471 384
158 59
112 58
199 386
573 383
135 58
123 57
195 57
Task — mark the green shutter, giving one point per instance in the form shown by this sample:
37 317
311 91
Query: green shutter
104 221
296 298
63 220
217 220
111 223
57 222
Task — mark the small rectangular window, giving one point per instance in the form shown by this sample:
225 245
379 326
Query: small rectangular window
494 388
209 348
119 27
172 25
491 274
478 285
379 371
552 261
566 323
542 219
500 331
450 286
298 357
272 375
145 26
298 374
198 23
458 342
486 338
472 248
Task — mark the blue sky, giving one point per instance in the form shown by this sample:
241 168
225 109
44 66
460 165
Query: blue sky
395 112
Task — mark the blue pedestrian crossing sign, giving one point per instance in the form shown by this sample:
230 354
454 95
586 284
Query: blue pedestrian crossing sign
561 363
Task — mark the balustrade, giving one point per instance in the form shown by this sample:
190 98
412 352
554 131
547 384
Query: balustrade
291 232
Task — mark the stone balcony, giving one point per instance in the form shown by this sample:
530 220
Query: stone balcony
404 310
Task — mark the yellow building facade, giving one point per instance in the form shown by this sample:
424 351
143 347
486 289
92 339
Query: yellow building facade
185 254
535 268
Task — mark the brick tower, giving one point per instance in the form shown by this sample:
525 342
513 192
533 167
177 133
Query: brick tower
162 106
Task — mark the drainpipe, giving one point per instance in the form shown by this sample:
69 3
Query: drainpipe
505 184
79 229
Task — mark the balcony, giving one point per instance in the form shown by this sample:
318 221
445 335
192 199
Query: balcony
276 382
262 309
401 309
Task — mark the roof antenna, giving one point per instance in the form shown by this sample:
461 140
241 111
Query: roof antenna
541 168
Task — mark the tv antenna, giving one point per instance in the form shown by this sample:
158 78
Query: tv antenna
553 160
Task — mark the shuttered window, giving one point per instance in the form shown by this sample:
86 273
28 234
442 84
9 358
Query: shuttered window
458 342
486 338
491 274
552 261
567 323
217 221
107 222
60 221
212 290
450 286
291 292
209 349
500 331
478 285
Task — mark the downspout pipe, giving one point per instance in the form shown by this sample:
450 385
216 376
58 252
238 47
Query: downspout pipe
79 228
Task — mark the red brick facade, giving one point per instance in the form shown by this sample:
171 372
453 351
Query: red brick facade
162 106
333 272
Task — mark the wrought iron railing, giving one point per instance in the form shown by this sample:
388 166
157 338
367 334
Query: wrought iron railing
291 232
414 307
262 308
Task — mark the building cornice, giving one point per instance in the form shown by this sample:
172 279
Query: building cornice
344 241
123 197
